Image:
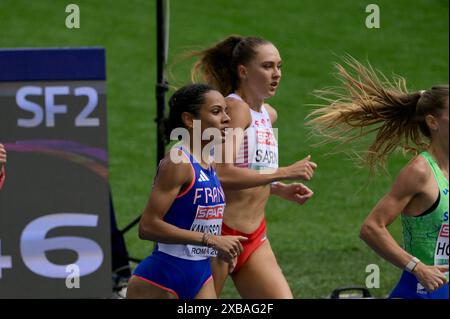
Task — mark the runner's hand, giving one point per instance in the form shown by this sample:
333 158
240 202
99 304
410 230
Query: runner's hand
228 247
303 169
231 262
431 277
296 192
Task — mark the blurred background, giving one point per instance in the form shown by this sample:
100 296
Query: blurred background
317 245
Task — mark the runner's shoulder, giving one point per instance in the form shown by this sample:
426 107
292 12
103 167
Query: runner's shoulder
417 171
272 112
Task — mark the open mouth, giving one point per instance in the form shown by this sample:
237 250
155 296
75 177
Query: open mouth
274 85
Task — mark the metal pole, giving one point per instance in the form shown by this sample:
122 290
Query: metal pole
162 35
161 82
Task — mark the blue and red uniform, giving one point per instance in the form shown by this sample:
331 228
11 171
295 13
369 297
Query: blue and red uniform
179 268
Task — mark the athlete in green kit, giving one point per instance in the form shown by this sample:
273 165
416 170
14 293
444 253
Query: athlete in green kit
415 121
427 237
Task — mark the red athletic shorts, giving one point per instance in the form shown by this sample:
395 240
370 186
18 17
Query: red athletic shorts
255 239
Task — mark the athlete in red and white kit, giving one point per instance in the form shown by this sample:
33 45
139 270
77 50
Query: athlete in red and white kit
247 71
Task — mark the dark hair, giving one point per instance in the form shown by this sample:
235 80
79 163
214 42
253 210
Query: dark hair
368 102
218 64
189 99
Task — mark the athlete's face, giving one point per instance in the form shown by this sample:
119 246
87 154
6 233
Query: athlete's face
439 126
263 73
213 113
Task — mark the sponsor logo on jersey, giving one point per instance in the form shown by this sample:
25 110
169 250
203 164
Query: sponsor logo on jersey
444 231
210 212
203 177
265 137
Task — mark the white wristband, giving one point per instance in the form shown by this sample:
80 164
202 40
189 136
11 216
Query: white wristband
412 264
276 183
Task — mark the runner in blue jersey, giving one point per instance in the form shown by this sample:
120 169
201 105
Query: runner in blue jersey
185 209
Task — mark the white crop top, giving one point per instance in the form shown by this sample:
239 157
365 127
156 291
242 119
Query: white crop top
259 150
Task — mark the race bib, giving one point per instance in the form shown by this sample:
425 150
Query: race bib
208 219
266 153
442 247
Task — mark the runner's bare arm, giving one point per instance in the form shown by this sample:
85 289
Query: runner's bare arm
168 182
408 184
233 177
273 114
295 192
374 229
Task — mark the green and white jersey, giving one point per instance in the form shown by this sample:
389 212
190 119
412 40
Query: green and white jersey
426 236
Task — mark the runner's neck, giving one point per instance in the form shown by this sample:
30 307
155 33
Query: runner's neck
253 102
441 158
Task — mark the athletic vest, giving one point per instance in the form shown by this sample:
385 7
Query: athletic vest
426 236
259 149
199 208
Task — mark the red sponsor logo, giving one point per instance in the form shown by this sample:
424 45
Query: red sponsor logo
210 212
444 231
265 137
